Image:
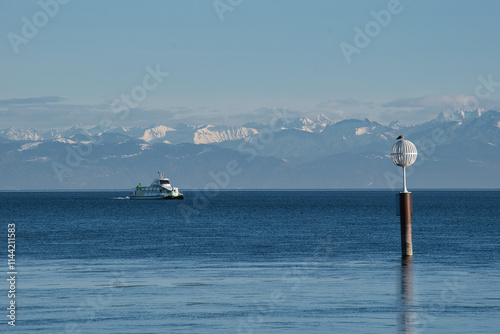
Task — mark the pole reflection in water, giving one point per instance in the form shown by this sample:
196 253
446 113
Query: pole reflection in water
407 317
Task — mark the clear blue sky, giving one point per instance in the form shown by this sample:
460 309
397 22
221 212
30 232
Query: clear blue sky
261 54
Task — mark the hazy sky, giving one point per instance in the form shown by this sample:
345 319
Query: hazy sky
232 61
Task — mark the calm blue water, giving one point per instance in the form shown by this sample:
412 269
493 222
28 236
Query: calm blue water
253 262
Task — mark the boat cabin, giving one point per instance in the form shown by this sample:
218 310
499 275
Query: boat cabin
162 182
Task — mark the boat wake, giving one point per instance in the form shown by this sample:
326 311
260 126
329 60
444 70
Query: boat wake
126 197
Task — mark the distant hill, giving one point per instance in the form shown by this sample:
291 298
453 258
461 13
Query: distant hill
456 150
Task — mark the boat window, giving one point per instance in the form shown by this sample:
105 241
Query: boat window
164 182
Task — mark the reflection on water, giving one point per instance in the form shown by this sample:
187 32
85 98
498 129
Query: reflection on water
407 318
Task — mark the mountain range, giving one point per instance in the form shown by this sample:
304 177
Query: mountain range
457 149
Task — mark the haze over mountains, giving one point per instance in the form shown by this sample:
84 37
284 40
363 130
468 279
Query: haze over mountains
456 150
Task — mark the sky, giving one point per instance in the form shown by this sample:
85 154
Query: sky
139 63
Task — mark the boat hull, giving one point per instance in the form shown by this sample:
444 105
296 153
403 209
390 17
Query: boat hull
157 197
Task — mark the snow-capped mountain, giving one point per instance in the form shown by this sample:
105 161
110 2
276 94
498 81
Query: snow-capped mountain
303 124
155 133
456 149
322 121
459 115
78 129
20 133
52 134
217 134
306 124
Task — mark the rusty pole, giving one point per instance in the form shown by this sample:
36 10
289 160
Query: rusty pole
406 210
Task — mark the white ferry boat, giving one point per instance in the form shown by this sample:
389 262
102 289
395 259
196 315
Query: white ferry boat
159 189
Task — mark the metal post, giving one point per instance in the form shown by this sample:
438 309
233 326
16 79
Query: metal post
404 180
406 210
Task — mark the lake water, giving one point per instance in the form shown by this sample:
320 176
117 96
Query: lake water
253 262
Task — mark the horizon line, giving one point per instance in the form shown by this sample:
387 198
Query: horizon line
255 189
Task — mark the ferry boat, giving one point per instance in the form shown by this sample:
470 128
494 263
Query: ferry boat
159 189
